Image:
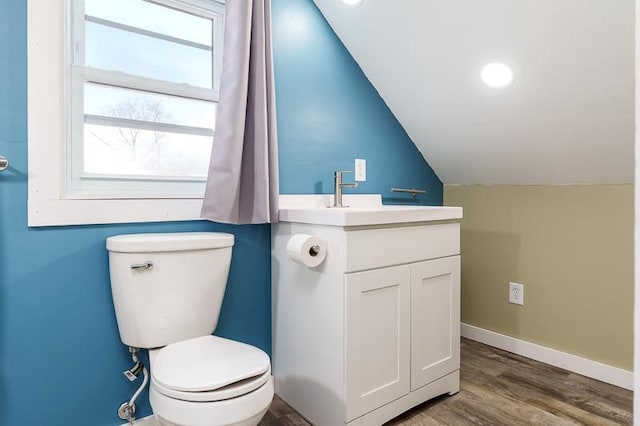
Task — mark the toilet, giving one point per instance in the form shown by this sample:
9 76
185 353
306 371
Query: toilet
167 292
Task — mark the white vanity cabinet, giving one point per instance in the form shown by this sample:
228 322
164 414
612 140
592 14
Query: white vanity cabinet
374 330
378 333
402 331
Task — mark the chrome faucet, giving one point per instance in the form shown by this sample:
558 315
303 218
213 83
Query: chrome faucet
337 187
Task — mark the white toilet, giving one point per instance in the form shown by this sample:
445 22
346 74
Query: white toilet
167 292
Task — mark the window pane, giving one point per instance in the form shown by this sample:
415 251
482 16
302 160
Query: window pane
114 49
110 101
153 17
124 151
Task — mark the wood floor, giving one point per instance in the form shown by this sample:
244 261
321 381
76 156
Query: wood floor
500 388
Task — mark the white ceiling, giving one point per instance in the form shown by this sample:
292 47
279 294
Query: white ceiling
569 116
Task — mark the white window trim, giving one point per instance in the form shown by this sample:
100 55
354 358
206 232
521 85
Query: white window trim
48 85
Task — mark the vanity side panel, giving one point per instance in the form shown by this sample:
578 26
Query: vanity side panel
369 247
308 326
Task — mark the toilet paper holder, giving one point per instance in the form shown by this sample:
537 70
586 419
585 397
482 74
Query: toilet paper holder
307 250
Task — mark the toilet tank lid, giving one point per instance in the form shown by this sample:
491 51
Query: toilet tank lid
180 241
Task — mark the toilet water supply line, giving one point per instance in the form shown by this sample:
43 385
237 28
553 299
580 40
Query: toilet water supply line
127 410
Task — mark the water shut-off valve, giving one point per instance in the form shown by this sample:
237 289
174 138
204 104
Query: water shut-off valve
127 410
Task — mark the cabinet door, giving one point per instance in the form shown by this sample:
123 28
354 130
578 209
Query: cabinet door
377 338
435 320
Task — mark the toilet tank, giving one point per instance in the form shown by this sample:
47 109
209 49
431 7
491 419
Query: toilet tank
168 287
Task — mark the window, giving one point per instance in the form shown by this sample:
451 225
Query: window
122 105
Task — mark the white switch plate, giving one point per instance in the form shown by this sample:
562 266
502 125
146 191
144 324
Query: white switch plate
516 293
361 170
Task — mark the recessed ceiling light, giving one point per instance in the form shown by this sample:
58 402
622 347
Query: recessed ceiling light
352 3
497 75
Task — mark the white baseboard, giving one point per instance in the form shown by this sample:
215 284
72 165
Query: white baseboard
145 421
586 367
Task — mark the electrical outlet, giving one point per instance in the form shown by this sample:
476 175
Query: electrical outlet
361 170
516 293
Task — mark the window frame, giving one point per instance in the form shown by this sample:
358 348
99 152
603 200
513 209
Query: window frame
49 110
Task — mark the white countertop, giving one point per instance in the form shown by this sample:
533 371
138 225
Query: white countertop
365 210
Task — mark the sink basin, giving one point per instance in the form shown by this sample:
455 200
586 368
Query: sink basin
364 212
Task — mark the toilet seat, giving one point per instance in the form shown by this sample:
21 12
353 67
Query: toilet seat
234 390
209 368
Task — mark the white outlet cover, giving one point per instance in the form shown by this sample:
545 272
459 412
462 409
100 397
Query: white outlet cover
516 293
361 170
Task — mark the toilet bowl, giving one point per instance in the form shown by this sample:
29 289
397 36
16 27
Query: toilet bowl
197 379
210 381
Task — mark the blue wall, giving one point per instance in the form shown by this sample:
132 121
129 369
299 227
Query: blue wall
60 355
329 114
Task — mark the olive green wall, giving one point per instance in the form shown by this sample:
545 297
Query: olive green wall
571 247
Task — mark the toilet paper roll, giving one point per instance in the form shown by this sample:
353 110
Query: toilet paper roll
307 250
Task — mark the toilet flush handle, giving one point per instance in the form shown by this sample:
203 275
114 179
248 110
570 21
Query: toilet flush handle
146 266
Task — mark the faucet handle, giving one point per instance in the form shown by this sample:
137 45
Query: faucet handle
339 180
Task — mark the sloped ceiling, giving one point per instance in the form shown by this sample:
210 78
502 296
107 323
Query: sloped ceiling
569 116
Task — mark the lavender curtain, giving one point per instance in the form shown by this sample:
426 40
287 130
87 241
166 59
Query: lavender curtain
242 185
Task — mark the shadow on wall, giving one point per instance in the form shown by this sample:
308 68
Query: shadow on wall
4 309
10 179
